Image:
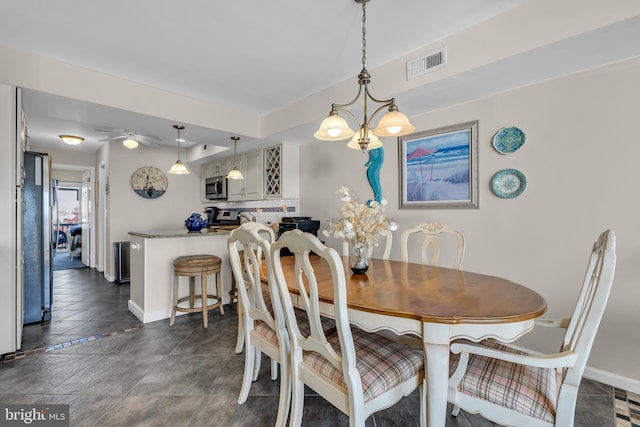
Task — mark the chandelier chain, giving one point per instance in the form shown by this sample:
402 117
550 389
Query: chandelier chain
364 34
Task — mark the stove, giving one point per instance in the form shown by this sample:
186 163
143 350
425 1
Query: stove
302 223
226 218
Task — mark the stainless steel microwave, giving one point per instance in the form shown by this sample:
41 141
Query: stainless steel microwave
216 188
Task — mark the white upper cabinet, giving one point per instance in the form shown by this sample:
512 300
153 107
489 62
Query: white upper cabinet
249 188
270 173
281 172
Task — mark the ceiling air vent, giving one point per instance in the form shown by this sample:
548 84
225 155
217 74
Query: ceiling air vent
427 64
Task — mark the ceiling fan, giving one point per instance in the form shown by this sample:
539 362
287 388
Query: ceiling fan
130 139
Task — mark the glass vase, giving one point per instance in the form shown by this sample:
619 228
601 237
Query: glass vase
358 259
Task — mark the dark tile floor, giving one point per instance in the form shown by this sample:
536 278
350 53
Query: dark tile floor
180 376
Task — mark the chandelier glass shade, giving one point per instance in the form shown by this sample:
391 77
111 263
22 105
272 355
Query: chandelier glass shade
359 139
235 172
178 167
71 139
392 123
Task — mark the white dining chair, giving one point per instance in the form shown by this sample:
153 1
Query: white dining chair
512 388
379 376
269 234
388 241
260 330
431 244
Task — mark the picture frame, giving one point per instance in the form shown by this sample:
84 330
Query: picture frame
438 168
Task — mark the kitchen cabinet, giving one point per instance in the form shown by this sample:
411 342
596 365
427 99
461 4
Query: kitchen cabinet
281 171
217 168
270 173
221 167
249 188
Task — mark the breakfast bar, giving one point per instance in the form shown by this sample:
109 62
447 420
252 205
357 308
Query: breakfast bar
152 254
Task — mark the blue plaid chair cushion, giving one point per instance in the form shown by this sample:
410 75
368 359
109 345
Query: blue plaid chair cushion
382 363
524 389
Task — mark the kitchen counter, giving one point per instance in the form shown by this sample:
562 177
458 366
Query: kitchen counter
163 234
151 267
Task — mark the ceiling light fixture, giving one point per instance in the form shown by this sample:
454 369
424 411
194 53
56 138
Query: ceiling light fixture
71 139
235 172
178 167
130 143
393 123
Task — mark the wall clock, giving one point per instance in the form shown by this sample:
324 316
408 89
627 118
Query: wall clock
149 182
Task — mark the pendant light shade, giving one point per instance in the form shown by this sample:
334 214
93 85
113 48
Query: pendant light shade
333 128
178 167
359 141
393 123
235 172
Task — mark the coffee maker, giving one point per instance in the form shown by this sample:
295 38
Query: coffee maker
212 213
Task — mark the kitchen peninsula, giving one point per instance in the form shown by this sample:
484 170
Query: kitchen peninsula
151 274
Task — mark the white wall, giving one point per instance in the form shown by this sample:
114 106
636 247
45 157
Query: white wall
581 162
8 265
129 212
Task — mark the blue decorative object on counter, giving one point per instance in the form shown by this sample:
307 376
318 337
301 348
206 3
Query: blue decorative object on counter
195 223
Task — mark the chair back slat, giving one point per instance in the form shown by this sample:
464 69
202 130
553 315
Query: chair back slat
430 249
591 304
303 246
254 248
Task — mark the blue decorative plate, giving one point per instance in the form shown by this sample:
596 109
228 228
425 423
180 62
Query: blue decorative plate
508 140
508 183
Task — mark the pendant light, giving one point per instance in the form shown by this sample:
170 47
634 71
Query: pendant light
178 168
235 172
393 123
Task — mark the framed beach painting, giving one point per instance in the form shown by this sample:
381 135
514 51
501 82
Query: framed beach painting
439 168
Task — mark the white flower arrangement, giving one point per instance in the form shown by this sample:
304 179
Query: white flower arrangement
360 224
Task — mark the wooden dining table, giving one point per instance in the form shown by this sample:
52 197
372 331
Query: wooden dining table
435 304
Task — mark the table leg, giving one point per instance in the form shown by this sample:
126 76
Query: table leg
436 350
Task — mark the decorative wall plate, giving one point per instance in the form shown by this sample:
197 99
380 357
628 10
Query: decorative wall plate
508 183
508 140
149 182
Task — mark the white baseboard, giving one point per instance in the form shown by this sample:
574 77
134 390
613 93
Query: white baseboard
136 310
147 317
109 278
615 380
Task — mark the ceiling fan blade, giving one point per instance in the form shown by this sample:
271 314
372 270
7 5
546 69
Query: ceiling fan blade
110 130
111 138
145 141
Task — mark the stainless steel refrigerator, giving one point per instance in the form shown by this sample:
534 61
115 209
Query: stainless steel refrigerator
38 269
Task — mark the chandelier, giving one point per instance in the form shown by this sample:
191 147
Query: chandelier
392 123
178 167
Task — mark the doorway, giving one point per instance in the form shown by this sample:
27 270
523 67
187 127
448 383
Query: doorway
74 216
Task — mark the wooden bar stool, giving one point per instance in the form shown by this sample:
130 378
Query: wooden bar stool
192 266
